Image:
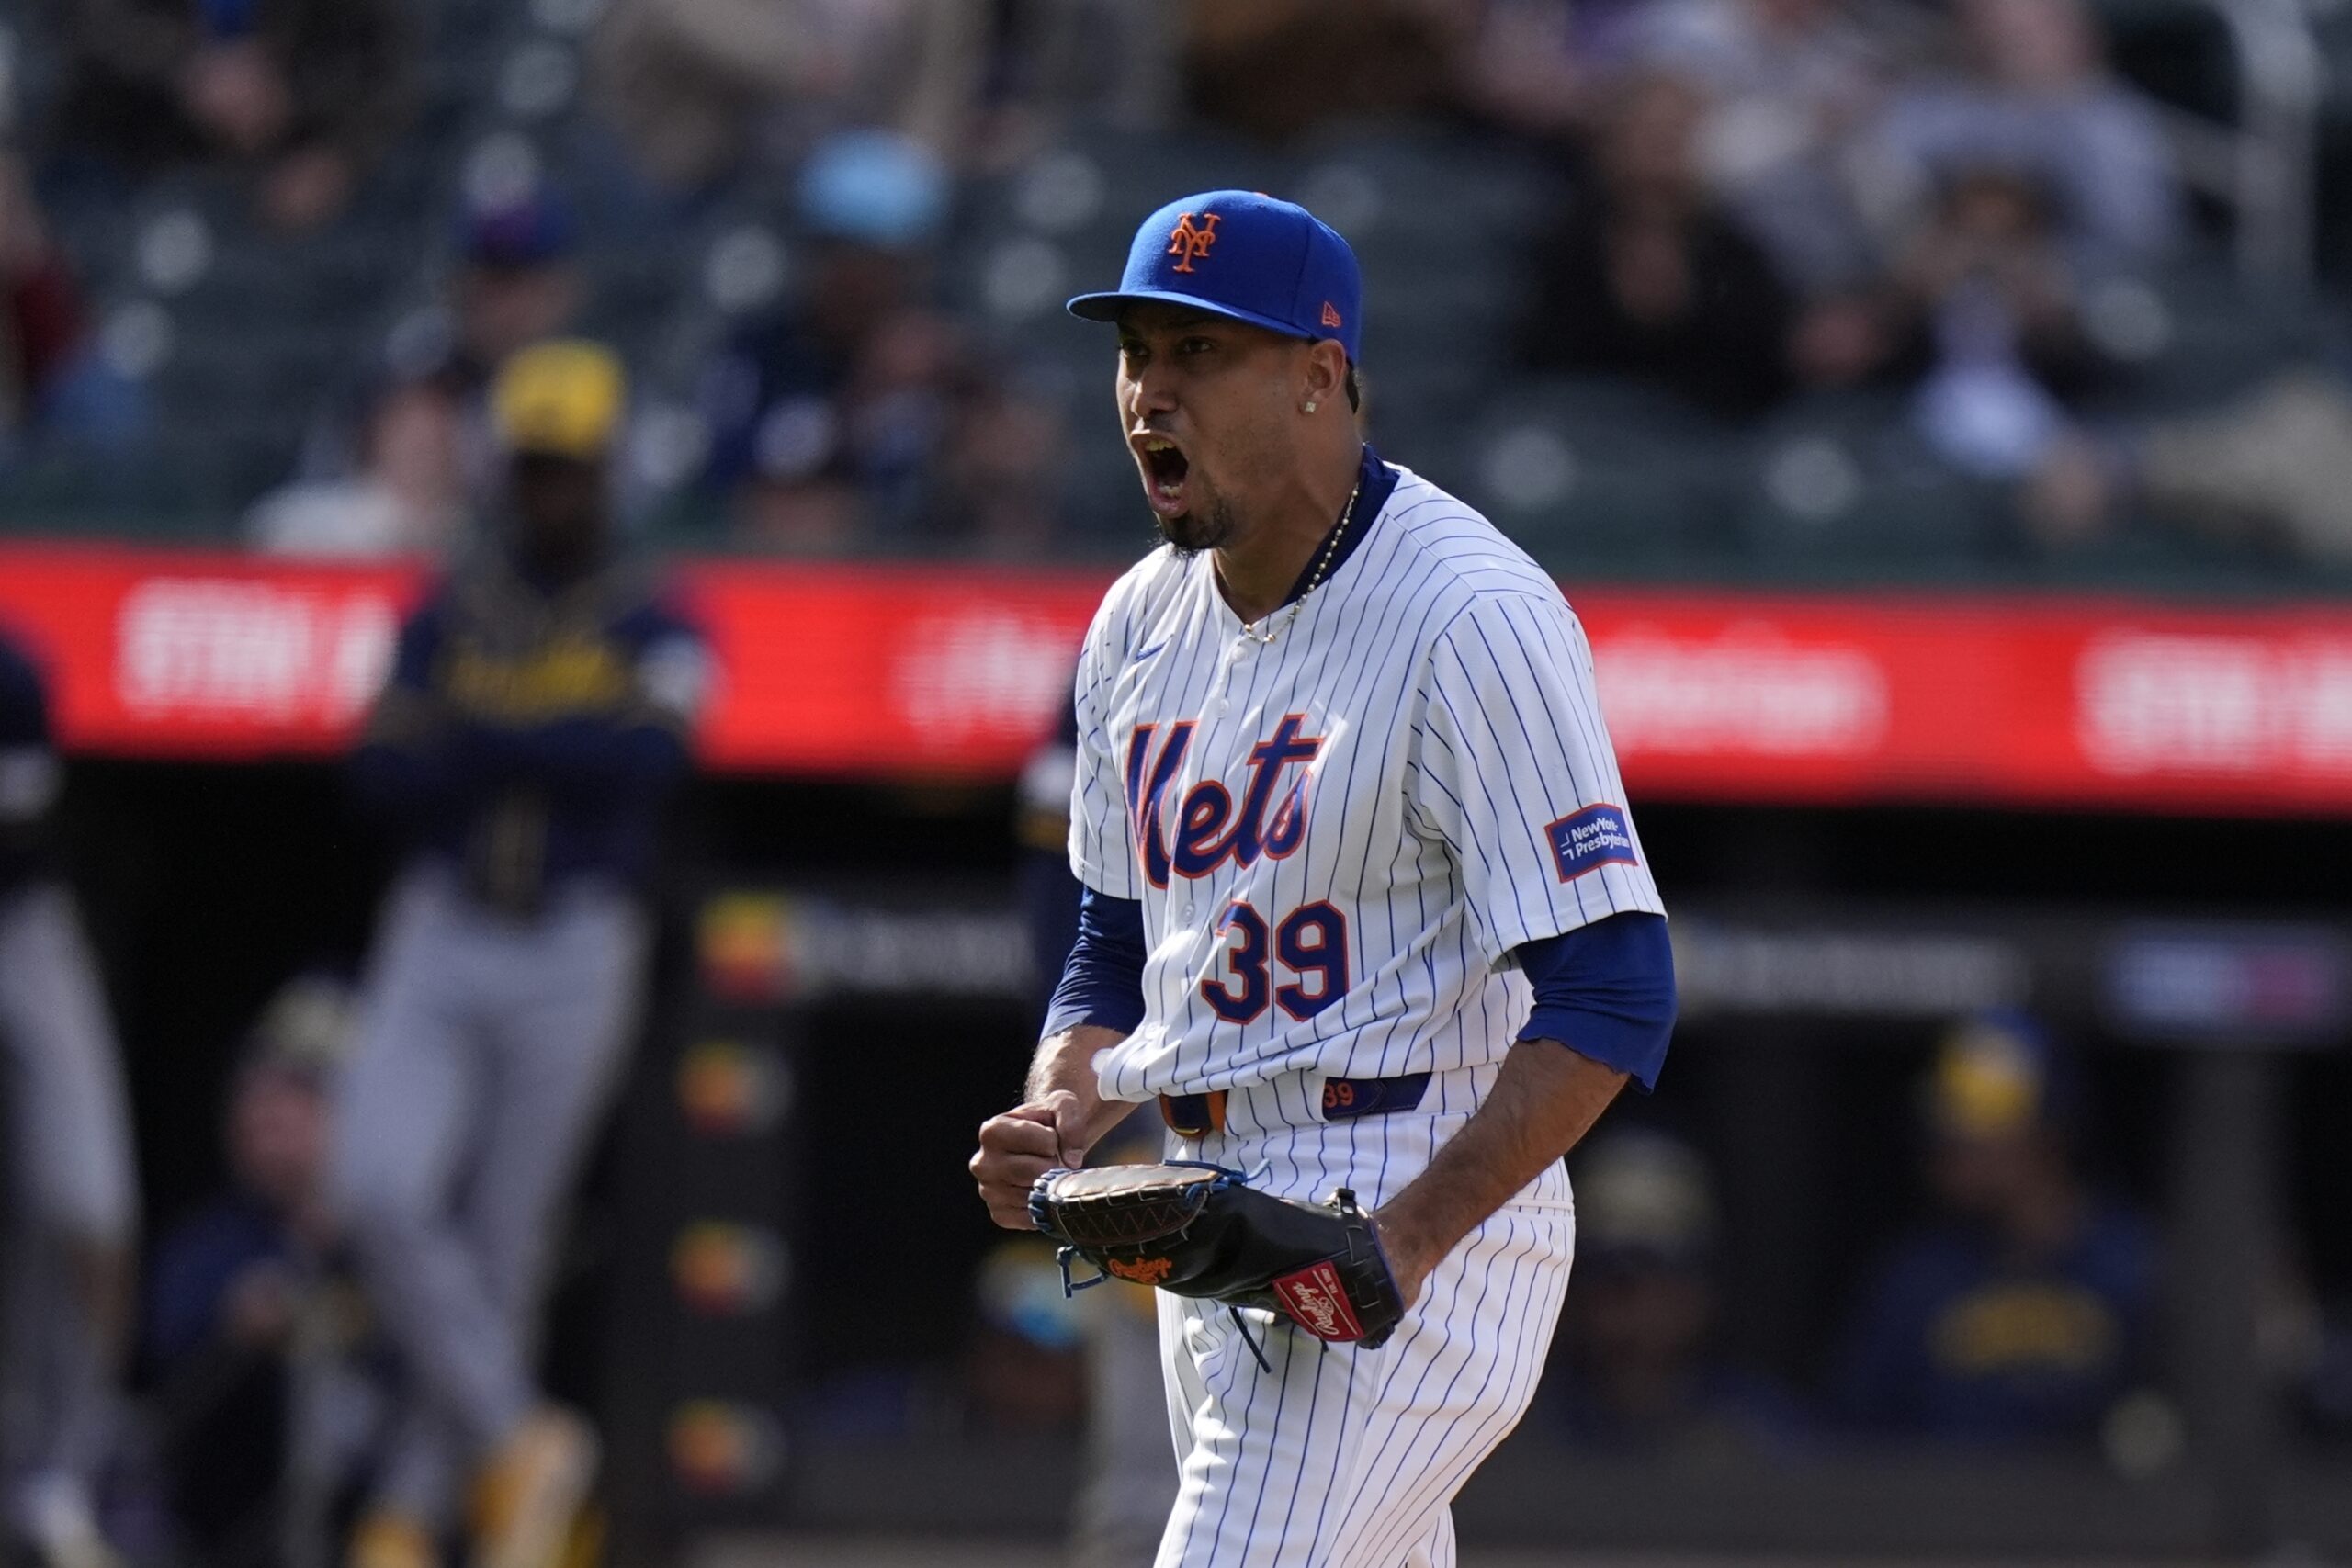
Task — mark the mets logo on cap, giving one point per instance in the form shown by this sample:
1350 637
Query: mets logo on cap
1245 256
1189 243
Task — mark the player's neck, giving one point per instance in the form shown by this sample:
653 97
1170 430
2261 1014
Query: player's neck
1257 572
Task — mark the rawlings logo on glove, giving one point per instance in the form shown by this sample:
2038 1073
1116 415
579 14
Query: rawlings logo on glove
1317 1302
1201 1231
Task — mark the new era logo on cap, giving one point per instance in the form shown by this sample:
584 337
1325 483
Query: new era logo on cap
1246 256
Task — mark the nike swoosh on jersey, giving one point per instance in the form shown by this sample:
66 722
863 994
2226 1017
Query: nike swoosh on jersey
1147 652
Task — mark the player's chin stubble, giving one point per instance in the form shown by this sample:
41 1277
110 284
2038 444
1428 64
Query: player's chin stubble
1190 533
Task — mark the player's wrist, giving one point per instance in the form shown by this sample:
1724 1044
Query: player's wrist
1405 1242
1065 1064
1062 1078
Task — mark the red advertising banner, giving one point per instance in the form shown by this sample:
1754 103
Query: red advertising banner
882 670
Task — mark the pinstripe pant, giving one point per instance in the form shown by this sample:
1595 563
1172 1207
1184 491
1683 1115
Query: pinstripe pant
1344 1458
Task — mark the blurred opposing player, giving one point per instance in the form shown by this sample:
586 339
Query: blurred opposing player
2027 1307
248 1309
1365 904
538 714
73 1192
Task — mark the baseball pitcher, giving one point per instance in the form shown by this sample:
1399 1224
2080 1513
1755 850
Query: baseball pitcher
1366 915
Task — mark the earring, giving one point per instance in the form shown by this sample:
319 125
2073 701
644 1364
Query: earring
1308 408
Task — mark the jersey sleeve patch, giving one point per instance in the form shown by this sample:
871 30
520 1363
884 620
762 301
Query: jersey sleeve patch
1587 839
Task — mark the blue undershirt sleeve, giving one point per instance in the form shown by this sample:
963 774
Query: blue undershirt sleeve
1103 980
1605 990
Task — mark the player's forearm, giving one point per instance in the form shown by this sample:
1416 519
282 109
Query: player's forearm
1065 1064
1546 1098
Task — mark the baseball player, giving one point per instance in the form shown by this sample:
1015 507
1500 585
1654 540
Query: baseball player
537 716
72 1219
1364 908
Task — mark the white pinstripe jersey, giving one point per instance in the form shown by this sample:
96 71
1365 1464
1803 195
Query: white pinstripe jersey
1339 838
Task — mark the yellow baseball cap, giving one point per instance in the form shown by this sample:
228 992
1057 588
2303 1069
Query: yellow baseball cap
1991 1078
562 398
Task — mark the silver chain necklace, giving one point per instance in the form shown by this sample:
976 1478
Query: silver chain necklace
1322 565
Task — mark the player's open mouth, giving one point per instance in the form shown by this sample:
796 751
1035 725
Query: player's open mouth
1164 470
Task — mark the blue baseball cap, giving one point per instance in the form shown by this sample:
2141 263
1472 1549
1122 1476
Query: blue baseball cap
1246 256
527 229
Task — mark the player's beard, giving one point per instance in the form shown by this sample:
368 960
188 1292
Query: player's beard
1202 529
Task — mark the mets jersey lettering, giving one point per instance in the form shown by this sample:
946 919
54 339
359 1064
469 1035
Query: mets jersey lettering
1339 837
1204 838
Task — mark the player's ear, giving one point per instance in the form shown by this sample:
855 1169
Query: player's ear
1325 381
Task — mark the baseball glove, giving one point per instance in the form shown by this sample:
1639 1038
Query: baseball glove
1200 1230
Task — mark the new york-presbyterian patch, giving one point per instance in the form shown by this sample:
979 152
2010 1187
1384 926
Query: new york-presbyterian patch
1597 836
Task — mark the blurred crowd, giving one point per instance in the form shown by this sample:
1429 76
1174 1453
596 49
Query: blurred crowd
1951 209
